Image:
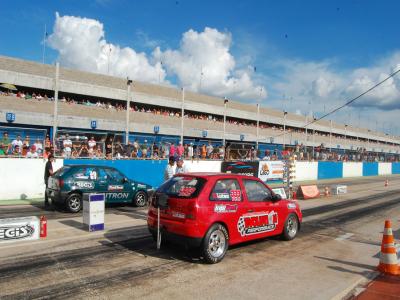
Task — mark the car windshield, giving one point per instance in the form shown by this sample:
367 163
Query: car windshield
182 187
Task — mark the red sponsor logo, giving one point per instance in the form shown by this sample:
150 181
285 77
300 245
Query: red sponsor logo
257 223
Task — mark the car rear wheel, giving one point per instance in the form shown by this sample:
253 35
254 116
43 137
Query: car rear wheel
215 244
74 203
290 228
140 199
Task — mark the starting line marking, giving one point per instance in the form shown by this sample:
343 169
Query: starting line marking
344 236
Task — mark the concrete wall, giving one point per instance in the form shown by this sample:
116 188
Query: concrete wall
384 168
328 170
370 169
23 178
352 169
306 170
145 171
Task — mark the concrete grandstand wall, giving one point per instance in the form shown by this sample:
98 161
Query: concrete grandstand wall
352 169
306 170
23 178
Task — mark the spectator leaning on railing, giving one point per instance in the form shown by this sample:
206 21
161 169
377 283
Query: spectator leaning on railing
5 144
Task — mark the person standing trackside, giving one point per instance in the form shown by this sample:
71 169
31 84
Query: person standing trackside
180 168
169 170
48 171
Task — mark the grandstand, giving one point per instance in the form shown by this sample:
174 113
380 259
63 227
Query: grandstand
85 97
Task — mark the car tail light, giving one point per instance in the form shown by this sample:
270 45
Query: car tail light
60 183
191 211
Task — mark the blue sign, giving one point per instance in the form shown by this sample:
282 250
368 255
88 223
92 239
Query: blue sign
10 117
204 133
156 129
338 146
242 137
93 124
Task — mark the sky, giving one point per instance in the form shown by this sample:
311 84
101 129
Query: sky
305 57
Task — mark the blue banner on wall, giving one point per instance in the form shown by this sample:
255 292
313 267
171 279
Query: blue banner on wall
395 168
330 169
145 171
370 169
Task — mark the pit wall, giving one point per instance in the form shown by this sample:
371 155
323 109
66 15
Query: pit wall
23 178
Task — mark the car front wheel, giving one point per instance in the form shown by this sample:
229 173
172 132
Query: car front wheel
74 203
140 199
290 228
215 244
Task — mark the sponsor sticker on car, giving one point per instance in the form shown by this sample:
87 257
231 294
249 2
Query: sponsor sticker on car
225 208
257 223
115 187
85 184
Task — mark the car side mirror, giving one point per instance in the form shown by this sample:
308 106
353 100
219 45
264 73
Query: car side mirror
124 180
276 197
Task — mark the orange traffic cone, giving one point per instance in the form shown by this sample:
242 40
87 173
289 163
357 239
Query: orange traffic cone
386 182
388 262
327 192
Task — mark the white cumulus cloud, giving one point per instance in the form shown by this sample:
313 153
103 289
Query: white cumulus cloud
81 44
203 62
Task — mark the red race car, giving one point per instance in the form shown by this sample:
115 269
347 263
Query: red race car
215 210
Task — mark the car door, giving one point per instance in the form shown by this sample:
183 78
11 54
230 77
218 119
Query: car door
226 205
84 179
262 215
117 188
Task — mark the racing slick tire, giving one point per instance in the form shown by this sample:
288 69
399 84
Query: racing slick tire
215 244
140 199
291 228
74 203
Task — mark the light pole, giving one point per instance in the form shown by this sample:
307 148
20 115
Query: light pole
284 129
313 138
258 125
55 113
182 113
128 106
306 130
225 104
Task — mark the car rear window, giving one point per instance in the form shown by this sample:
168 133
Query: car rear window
182 187
60 172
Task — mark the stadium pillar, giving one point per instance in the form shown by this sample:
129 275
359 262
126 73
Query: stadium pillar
55 112
330 137
284 129
306 131
128 105
225 103
182 113
258 125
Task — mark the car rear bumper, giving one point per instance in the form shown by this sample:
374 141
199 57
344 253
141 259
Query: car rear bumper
186 241
56 196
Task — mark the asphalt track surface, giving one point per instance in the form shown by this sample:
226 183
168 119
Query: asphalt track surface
132 259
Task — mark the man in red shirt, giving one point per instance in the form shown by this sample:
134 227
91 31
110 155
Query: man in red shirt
180 150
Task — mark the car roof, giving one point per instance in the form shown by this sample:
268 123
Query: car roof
215 174
87 166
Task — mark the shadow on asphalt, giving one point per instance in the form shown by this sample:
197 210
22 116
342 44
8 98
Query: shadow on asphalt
365 273
73 223
142 242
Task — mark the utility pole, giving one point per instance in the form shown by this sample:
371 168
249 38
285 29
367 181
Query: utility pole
182 113
128 106
55 112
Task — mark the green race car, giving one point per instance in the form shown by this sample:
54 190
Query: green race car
67 185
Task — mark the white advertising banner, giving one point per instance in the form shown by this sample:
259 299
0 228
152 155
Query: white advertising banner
19 229
270 171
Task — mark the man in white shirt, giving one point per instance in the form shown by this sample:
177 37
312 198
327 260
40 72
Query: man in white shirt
67 143
190 151
17 142
169 170
32 153
210 149
180 168
39 146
